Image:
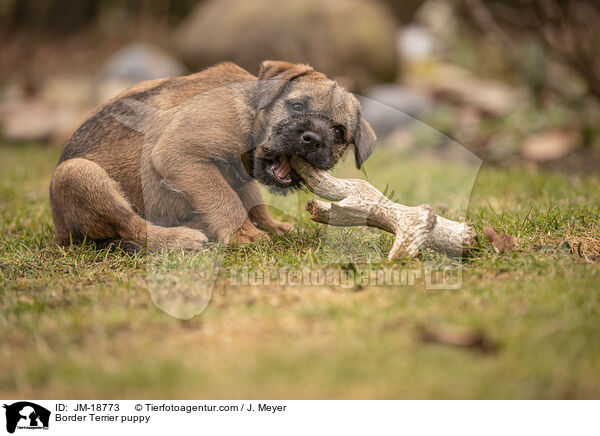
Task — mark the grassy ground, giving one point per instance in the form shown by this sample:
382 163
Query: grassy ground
81 323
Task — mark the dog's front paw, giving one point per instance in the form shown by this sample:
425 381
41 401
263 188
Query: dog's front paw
183 238
279 228
248 233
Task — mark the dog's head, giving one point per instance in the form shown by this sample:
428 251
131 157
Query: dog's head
301 112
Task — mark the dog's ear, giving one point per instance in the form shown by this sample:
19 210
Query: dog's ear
282 70
364 142
273 76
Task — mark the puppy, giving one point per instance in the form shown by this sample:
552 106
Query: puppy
174 162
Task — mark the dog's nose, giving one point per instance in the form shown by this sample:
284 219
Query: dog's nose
311 139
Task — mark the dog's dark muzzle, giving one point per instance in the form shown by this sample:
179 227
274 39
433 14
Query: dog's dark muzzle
307 136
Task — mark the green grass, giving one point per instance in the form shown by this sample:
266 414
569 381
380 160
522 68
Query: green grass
80 323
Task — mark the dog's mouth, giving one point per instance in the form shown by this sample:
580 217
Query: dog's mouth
281 172
281 169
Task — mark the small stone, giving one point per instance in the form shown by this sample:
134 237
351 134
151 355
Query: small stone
140 61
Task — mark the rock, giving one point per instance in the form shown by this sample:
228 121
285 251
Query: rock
68 91
349 39
37 121
390 106
65 101
11 96
140 61
549 145
416 42
28 122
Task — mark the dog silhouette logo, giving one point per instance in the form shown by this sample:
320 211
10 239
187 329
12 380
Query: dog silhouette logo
26 415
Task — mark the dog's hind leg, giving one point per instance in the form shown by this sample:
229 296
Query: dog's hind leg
87 202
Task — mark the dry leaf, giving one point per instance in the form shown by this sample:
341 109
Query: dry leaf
500 241
549 145
456 336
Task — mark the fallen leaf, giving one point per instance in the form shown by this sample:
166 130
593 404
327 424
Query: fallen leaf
549 145
456 336
500 241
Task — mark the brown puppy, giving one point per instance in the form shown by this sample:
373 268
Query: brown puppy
172 162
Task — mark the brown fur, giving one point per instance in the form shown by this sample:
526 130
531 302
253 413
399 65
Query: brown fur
165 163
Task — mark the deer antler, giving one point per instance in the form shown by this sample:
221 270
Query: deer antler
355 202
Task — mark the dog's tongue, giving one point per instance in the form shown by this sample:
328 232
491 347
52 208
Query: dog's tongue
283 168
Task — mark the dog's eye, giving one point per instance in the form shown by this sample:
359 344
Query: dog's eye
298 107
340 133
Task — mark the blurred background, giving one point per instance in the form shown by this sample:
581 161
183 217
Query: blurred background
511 80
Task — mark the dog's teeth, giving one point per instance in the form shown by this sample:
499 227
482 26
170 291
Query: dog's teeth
283 168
